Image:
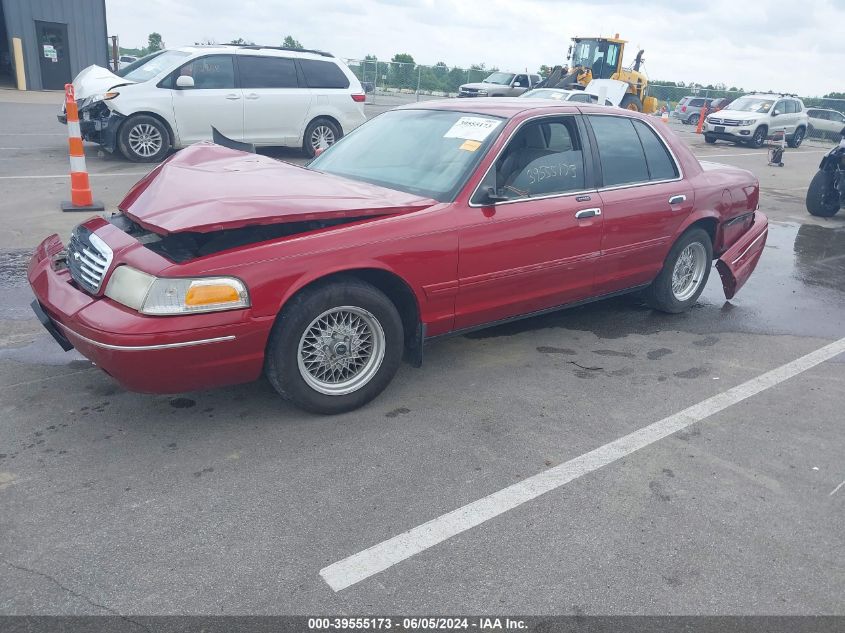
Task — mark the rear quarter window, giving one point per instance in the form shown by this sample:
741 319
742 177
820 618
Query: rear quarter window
659 161
320 74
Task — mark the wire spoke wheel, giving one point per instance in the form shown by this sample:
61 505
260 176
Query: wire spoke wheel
145 140
322 137
341 350
689 271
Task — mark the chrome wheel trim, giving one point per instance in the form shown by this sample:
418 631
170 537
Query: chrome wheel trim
797 138
689 270
341 350
321 137
145 140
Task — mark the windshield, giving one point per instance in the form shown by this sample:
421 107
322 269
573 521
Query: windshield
502 79
751 104
601 57
546 93
425 152
148 67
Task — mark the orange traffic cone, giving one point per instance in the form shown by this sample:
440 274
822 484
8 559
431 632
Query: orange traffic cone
81 198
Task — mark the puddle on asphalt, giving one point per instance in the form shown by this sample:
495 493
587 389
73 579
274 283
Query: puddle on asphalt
798 288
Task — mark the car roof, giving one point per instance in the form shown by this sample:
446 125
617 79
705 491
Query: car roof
269 51
511 107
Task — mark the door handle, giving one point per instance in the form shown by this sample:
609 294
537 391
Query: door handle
252 95
233 97
587 213
677 199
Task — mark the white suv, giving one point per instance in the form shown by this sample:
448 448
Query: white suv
754 118
254 94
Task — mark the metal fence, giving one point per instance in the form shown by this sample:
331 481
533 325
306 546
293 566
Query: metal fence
388 77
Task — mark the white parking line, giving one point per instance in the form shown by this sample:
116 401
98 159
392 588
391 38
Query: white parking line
92 174
377 558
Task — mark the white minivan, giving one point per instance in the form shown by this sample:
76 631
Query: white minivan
253 94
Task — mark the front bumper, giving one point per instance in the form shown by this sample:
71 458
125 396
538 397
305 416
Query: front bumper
97 124
146 354
730 132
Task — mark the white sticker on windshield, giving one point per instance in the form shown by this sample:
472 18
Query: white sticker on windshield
472 128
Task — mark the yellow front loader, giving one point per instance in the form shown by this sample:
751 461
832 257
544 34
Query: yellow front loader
601 58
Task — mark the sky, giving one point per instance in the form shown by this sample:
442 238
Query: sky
781 45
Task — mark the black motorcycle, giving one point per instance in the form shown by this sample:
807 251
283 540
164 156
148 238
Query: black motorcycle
826 194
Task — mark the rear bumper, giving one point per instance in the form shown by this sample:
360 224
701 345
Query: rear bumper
738 262
146 354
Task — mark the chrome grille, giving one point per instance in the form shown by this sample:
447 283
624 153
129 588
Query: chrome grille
88 258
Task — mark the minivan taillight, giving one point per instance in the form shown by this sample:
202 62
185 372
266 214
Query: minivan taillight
359 98
683 108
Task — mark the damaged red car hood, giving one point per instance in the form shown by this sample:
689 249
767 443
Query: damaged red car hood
206 187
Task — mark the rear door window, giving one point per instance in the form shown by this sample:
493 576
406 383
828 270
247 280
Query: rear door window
621 153
320 74
267 72
697 103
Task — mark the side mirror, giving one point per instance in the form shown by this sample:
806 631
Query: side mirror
517 84
775 112
184 81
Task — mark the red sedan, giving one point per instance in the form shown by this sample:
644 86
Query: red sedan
429 220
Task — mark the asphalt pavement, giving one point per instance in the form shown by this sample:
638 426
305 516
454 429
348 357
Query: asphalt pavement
232 502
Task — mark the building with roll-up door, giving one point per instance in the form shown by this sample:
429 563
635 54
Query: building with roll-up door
47 42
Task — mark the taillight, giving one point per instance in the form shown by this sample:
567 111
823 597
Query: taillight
683 108
359 98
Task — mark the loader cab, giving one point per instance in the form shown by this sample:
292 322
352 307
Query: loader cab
602 56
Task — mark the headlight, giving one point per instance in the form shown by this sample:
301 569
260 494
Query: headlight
748 122
91 100
162 296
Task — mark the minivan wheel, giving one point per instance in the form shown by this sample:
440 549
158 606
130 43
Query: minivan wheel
320 134
143 139
684 274
692 119
796 139
759 137
335 347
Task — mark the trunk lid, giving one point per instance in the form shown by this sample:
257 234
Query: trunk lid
206 187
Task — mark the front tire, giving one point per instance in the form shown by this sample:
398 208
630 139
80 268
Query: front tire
710 140
796 139
320 134
684 274
144 139
759 138
816 204
335 347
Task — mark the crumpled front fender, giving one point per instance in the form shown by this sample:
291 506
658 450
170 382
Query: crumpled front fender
738 262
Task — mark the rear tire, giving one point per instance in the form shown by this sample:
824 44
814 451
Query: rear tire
335 347
684 274
815 203
320 133
631 102
692 120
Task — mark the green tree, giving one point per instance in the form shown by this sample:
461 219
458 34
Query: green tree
241 41
154 42
402 73
291 42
